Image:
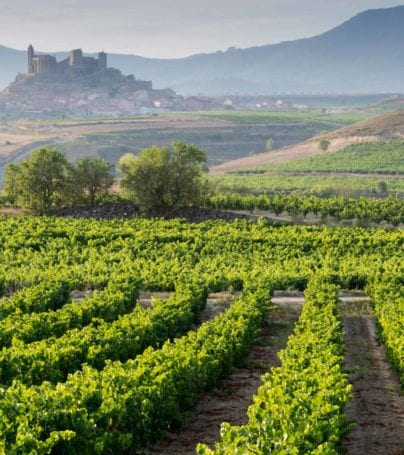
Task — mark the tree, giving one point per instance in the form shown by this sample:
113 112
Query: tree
324 144
91 178
40 181
163 178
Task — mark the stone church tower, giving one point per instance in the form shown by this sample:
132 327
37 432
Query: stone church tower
30 59
102 60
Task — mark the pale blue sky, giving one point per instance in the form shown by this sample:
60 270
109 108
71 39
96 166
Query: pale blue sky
169 28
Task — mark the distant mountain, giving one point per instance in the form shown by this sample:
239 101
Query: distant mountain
364 54
11 62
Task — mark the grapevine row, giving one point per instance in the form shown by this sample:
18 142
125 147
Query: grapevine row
49 295
52 359
300 406
388 300
126 405
377 210
161 252
116 299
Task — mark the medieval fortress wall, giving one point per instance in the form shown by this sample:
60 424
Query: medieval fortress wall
75 63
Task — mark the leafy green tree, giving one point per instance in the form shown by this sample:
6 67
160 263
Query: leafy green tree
163 178
324 145
39 182
91 178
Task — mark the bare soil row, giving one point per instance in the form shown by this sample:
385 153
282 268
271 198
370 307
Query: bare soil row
377 406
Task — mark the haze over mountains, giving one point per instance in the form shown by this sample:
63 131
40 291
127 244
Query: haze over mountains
364 54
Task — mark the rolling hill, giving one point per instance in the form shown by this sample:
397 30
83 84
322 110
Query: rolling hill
386 127
364 54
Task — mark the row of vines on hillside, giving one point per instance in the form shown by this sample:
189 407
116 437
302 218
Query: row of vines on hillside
52 359
376 210
128 404
300 407
105 375
387 293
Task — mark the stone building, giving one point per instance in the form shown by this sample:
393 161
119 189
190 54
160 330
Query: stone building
76 63
79 86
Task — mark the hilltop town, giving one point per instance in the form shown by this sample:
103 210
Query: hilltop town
81 85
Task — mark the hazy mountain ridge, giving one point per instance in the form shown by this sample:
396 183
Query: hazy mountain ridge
364 54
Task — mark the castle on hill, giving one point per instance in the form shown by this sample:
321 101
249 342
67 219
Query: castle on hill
81 86
75 63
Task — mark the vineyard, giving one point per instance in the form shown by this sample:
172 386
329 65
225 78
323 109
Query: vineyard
389 210
89 366
365 169
305 183
372 157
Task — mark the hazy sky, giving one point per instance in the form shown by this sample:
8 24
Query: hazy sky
169 28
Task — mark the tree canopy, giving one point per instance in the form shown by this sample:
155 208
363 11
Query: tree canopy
46 180
38 182
324 145
164 178
91 178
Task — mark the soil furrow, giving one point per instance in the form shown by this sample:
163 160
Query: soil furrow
377 406
229 402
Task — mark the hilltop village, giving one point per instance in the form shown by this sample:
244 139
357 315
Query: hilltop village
81 85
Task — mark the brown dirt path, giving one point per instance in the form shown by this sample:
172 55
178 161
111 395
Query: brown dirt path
229 401
377 406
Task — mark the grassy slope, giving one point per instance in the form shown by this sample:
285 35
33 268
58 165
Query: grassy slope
381 157
382 128
388 126
376 157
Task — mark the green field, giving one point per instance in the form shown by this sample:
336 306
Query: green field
253 116
371 157
308 184
386 158
288 117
